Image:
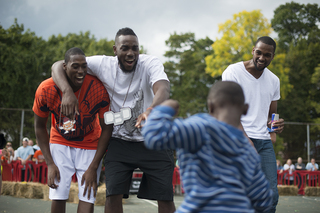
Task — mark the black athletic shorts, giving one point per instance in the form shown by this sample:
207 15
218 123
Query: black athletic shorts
157 166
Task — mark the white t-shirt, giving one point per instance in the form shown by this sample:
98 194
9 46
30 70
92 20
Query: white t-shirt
149 70
310 166
291 168
259 93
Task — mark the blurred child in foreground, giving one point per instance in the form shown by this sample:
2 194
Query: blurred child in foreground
220 169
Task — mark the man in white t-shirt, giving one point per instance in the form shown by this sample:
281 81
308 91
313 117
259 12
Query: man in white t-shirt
262 90
24 154
135 83
312 166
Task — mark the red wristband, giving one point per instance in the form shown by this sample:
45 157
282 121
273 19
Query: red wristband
150 108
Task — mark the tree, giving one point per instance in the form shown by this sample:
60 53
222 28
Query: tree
26 61
238 38
23 65
299 106
88 43
186 71
297 26
294 21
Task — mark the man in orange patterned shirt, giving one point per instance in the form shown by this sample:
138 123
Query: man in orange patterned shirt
78 144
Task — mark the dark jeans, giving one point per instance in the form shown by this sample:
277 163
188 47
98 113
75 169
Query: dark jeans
269 166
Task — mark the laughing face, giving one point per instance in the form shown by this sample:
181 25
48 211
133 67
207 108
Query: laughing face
126 48
76 70
262 55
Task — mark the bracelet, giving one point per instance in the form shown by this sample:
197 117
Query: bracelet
150 108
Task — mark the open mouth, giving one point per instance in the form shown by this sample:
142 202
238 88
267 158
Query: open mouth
260 64
80 79
130 62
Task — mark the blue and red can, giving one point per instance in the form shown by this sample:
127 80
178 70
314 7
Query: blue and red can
275 117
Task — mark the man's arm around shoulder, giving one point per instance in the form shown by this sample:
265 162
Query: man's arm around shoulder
69 103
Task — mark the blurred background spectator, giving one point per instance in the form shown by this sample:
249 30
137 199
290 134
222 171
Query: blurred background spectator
6 157
38 156
24 153
289 167
36 147
312 166
279 166
299 165
11 152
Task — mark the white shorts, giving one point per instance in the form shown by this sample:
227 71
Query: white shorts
71 160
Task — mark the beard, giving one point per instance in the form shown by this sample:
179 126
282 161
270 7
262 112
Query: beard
257 68
127 71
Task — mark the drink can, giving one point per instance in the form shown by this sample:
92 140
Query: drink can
275 117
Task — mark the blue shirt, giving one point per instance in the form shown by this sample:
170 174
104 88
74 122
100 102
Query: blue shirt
24 152
310 166
220 170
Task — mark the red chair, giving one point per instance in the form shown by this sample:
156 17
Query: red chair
300 180
7 174
44 173
314 178
280 176
286 177
176 182
74 178
37 171
16 171
27 170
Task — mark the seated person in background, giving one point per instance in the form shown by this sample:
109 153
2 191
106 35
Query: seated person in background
299 165
279 166
77 144
6 157
36 147
24 153
220 169
11 153
9 144
38 156
30 143
289 167
312 166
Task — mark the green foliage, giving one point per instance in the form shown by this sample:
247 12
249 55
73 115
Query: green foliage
23 66
294 21
300 104
315 95
186 71
278 148
25 61
299 37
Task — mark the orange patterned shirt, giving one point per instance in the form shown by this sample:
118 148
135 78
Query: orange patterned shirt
93 103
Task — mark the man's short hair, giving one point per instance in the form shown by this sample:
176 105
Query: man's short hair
226 93
267 40
125 31
72 51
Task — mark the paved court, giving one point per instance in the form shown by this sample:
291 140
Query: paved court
8 204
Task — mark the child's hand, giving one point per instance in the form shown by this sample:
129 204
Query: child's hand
171 103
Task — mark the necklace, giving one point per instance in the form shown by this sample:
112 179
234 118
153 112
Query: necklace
68 125
114 85
125 112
